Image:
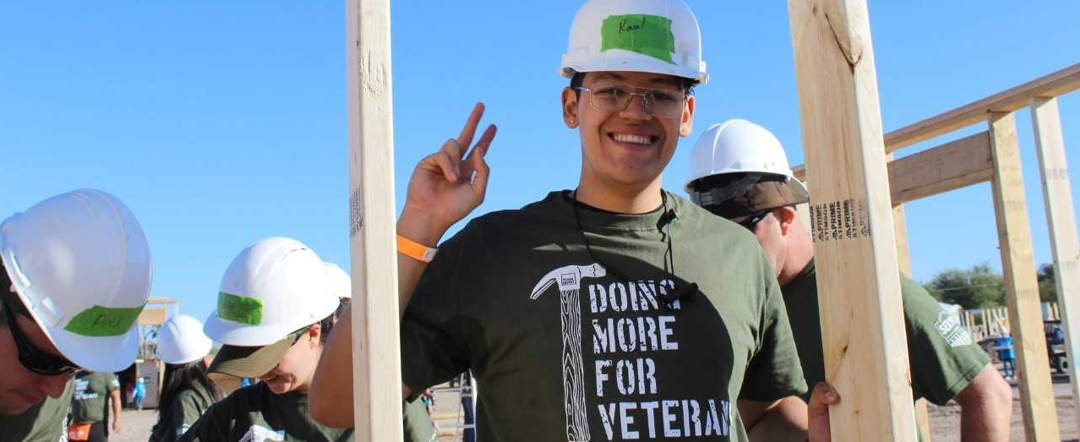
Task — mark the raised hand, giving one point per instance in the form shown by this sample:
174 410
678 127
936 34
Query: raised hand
447 185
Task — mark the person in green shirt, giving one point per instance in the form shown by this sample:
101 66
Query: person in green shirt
276 304
187 390
596 313
739 171
42 422
95 392
74 275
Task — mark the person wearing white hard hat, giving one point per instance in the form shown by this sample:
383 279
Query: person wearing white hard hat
75 275
275 306
739 171
186 390
599 309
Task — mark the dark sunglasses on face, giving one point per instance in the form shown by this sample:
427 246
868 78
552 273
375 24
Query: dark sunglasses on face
34 359
751 221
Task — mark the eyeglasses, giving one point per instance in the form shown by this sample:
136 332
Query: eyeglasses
34 359
617 97
751 221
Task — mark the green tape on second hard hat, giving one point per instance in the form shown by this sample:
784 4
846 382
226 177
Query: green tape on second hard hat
645 34
240 309
100 321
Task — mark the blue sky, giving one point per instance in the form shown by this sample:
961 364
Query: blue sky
220 123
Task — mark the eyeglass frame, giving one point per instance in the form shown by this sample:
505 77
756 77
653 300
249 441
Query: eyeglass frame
33 358
645 100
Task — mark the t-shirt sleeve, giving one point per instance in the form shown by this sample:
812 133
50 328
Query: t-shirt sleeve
417 423
112 384
432 347
774 371
182 415
944 359
213 426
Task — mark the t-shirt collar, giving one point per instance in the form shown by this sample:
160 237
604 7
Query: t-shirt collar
594 218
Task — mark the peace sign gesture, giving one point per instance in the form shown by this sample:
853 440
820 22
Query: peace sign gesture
447 185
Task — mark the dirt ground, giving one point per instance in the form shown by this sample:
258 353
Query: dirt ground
944 421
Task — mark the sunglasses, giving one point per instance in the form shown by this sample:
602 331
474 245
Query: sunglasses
33 358
750 222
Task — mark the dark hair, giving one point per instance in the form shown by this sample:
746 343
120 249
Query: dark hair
180 377
7 296
578 79
327 324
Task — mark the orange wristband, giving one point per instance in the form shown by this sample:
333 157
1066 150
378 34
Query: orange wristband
415 250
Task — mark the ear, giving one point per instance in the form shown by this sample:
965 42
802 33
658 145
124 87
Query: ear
570 108
314 334
786 216
686 126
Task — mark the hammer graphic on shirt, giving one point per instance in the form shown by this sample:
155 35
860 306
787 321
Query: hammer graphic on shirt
569 280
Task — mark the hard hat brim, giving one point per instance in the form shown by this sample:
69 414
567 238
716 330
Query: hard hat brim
250 362
617 60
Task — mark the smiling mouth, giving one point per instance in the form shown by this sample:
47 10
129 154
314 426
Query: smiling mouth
642 140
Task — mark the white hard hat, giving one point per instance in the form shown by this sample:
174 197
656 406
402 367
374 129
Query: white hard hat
739 146
182 340
274 287
656 36
80 264
340 282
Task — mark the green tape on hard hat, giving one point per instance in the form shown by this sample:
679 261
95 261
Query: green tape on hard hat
240 309
645 34
100 321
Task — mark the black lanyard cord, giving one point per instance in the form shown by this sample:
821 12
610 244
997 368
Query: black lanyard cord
666 218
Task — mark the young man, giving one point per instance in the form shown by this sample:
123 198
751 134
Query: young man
739 171
75 275
96 393
593 314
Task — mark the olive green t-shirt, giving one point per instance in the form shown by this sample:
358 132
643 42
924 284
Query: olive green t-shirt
608 345
417 422
44 422
255 414
186 408
90 402
943 357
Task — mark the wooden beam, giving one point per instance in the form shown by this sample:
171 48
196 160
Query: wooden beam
1057 83
950 166
1050 146
953 165
153 316
1021 287
1052 85
799 172
863 335
375 353
903 259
